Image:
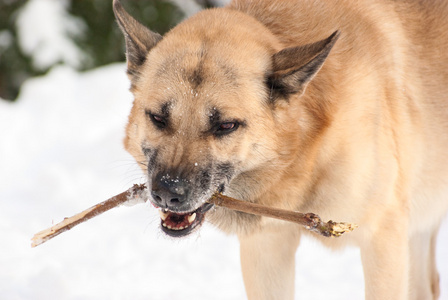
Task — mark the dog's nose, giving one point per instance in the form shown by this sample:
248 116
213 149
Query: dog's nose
169 193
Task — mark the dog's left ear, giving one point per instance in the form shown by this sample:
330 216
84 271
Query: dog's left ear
139 39
293 68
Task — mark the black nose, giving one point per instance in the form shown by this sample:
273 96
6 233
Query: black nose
169 193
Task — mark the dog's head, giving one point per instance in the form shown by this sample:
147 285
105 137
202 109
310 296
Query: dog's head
211 110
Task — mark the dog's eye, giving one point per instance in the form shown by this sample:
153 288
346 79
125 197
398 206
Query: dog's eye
226 128
157 120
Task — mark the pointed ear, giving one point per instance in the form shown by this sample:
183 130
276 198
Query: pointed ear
293 68
139 39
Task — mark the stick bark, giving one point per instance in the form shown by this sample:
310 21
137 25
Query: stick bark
138 193
132 194
311 221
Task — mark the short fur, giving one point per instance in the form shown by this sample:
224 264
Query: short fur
339 108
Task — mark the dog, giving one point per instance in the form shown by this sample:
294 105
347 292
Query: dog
339 108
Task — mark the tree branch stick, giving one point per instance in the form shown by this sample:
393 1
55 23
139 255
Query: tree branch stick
138 193
311 221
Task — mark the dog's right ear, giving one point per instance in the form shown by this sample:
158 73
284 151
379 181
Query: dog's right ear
295 67
139 40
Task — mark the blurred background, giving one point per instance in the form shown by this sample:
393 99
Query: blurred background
64 103
37 35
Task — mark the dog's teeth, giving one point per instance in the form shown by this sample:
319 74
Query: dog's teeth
192 218
163 215
164 224
181 227
169 227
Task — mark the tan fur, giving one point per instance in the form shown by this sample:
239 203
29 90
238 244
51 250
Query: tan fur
365 140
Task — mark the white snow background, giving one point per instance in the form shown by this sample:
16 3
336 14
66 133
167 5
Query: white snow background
61 152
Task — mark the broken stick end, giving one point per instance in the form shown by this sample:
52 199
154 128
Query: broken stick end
335 229
36 243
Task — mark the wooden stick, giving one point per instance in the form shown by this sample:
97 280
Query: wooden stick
137 193
311 221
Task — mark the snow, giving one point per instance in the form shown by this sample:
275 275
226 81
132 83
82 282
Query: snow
44 29
60 153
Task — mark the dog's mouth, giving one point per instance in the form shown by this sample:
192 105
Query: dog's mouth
177 224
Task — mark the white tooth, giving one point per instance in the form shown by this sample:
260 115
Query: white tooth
163 215
164 224
192 218
181 227
169 227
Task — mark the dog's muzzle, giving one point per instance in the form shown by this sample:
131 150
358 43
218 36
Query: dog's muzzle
179 214
171 194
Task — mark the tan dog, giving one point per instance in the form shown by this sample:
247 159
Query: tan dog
334 107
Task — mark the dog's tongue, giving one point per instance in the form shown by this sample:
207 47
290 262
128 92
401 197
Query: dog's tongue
174 221
181 224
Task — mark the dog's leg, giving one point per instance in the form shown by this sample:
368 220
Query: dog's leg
435 278
424 278
385 258
268 262
420 276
